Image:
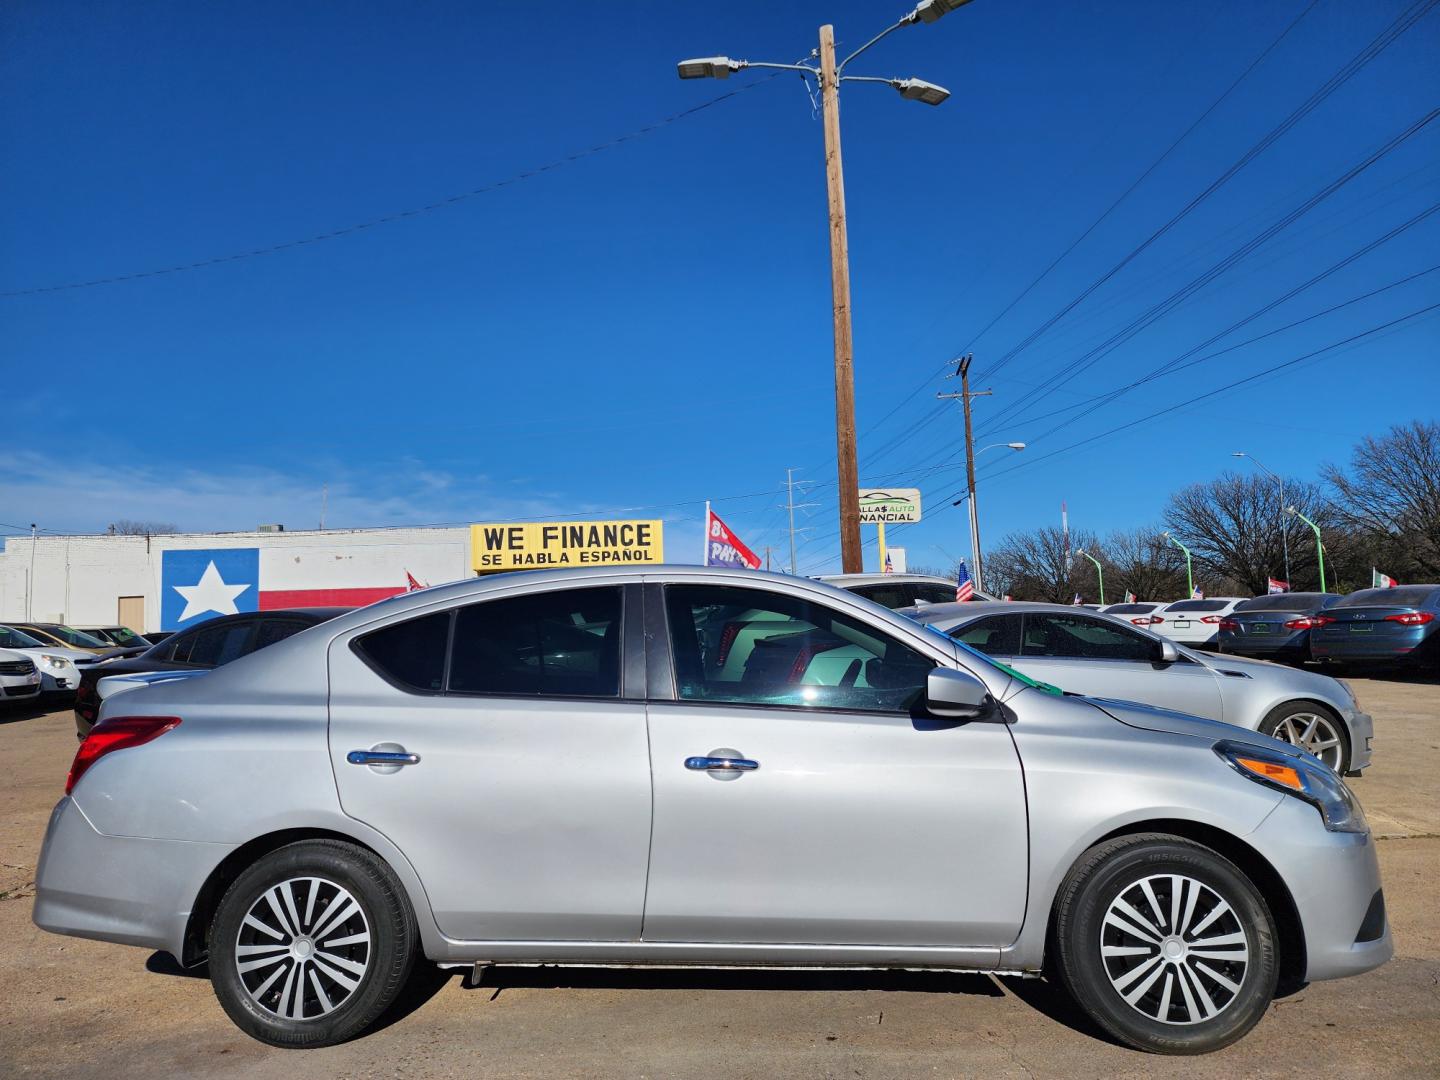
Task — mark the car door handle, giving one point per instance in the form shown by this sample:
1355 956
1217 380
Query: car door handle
721 764
382 757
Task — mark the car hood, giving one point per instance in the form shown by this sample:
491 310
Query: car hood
1149 718
69 654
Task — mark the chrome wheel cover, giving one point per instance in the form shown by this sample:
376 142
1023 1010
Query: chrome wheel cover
303 948
1314 733
1174 949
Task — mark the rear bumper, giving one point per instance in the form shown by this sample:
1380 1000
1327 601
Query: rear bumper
1263 646
1333 878
130 890
1369 648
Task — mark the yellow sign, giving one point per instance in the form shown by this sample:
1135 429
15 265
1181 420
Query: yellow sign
532 545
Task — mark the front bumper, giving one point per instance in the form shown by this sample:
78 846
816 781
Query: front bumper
19 687
131 890
1333 879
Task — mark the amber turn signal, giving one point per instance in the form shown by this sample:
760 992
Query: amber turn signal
1280 774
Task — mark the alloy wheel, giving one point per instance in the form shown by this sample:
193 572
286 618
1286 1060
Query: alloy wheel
1313 733
303 948
1174 949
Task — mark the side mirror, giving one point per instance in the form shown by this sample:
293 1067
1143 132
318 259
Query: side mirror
957 695
1166 653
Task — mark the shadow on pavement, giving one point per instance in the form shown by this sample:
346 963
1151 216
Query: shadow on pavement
161 963
500 978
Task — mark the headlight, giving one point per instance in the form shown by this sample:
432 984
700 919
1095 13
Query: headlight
1301 776
52 661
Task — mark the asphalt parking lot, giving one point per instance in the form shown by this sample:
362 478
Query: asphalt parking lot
79 1009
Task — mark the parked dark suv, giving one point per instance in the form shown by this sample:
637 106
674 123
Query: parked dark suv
206 645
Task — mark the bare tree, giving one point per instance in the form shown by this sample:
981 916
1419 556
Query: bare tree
1233 526
126 527
1140 561
1391 497
1036 565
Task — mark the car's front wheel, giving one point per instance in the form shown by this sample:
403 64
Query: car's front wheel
311 943
1166 944
1313 729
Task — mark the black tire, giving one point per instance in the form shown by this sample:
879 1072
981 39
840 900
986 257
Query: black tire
325 878
1183 988
1298 714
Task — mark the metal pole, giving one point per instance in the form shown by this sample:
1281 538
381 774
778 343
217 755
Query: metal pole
848 471
30 587
1319 546
790 506
1189 573
880 536
970 472
1099 572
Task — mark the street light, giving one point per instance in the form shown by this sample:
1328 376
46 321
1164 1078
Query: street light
1189 572
1319 547
975 511
828 74
1284 530
1099 570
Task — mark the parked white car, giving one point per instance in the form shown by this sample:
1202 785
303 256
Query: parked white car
59 667
19 681
1194 622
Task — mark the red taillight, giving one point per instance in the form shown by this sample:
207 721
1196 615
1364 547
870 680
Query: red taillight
1229 624
1305 622
1411 618
117 733
1144 620
1155 619
1211 619
1322 620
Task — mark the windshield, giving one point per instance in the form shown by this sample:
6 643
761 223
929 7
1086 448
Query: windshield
1018 676
14 639
76 638
1400 596
121 635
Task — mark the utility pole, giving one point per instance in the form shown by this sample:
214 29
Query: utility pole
790 507
962 370
324 498
30 585
849 472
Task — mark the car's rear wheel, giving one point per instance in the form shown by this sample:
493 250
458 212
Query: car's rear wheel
311 943
1166 944
1313 729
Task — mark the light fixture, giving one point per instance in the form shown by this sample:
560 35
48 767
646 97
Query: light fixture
708 67
928 11
920 90
1016 445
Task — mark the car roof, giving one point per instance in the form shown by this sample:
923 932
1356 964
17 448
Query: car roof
844 580
930 613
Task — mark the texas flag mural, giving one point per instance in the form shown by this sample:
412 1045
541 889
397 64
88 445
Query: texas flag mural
723 547
203 583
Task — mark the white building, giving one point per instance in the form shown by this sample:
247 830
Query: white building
163 582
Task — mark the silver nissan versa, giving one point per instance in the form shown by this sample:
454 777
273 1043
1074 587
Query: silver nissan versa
674 765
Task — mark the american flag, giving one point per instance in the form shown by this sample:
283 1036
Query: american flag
964 587
889 566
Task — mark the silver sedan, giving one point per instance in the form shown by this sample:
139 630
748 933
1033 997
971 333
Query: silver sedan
1105 656
672 765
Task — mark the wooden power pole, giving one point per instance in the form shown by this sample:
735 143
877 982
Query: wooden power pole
848 472
963 370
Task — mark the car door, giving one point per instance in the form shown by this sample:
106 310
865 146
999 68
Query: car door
1100 657
850 818
526 810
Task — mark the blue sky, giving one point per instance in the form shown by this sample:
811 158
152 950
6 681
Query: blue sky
649 326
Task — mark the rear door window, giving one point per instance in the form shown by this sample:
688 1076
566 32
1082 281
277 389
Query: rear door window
1076 637
998 635
217 645
555 644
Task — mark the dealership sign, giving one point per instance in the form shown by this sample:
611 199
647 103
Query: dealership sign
532 545
889 506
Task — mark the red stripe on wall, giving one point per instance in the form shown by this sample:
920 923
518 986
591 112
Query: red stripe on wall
271 600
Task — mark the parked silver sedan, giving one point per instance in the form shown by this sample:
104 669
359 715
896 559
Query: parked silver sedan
1104 656
675 765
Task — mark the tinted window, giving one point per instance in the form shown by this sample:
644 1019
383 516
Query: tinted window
272 630
891 595
935 594
998 635
1300 601
1078 638
14 639
410 653
1400 596
762 648
565 644
218 645
1197 605
1130 609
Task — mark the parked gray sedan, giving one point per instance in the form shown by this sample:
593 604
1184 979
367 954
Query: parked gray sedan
1104 656
675 765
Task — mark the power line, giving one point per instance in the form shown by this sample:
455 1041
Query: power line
1388 36
399 215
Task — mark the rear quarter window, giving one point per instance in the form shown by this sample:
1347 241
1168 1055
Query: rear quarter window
410 654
